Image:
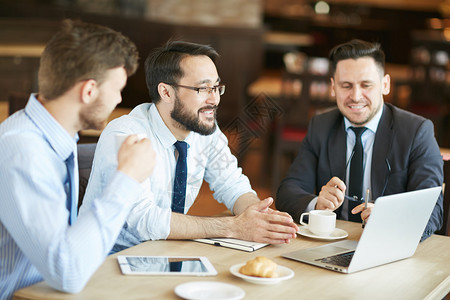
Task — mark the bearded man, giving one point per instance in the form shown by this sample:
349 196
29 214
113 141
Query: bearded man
185 90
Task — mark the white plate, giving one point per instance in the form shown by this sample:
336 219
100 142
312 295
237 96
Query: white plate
283 274
196 290
335 235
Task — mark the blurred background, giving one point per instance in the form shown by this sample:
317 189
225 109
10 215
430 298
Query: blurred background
273 58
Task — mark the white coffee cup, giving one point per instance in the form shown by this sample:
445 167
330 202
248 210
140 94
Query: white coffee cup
321 222
120 137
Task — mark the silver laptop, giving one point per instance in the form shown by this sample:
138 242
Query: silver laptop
393 232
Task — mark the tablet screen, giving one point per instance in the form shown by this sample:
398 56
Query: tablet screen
169 265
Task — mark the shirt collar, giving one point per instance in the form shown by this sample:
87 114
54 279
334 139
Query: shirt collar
372 125
58 138
163 133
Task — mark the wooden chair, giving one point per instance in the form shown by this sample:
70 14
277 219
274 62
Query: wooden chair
303 96
85 158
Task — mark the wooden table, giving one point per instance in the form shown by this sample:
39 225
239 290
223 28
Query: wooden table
22 50
290 39
269 84
3 110
414 278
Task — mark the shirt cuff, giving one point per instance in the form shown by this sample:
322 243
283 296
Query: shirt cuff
311 205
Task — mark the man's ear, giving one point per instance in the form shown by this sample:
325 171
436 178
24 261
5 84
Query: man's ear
89 91
332 92
166 92
386 84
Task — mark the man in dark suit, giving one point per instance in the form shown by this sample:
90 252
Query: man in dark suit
396 150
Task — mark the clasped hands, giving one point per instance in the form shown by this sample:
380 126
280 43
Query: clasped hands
262 224
332 196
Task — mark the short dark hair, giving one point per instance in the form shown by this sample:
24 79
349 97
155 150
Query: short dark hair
356 49
163 64
81 51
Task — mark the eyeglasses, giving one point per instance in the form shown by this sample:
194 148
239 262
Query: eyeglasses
204 89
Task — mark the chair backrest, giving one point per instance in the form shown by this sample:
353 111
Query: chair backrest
445 230
85 158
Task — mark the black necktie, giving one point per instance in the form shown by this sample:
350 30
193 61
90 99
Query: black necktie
355 185
179 185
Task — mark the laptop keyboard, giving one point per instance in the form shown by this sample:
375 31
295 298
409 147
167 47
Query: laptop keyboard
342 260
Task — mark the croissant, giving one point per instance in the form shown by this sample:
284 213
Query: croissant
260 267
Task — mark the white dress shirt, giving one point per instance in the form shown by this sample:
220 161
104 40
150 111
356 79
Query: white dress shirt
208 158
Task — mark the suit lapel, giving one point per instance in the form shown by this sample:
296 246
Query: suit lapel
381 148
337 147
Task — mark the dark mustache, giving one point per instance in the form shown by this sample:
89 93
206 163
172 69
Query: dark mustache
214 107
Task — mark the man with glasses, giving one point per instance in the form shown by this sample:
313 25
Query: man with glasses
362 145
185 89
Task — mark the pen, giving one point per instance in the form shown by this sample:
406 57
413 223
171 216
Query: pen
366 200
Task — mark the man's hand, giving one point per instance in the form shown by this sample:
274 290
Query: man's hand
332 194
262 224
136 158
365 212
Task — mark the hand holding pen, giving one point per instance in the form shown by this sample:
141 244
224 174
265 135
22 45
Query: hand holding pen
364 208
331 195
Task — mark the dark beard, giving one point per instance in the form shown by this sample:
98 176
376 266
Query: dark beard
191 122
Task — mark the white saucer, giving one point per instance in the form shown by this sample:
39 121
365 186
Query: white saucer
335 235
196 290
283 274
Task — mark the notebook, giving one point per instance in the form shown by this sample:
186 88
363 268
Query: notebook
233 243
392 233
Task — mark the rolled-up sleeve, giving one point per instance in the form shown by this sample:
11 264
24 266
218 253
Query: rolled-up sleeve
223 174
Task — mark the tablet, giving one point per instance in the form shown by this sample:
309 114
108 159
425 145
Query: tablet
166 265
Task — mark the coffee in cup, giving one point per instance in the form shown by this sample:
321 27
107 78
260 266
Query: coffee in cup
321 222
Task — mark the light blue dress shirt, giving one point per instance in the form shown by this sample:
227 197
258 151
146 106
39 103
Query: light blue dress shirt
208 158
36 241
367 139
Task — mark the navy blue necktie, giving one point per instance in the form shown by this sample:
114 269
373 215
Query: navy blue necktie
175 266
179 185
355 185
72 195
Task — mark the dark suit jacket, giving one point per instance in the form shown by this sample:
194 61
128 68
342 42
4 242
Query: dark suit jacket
406 157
